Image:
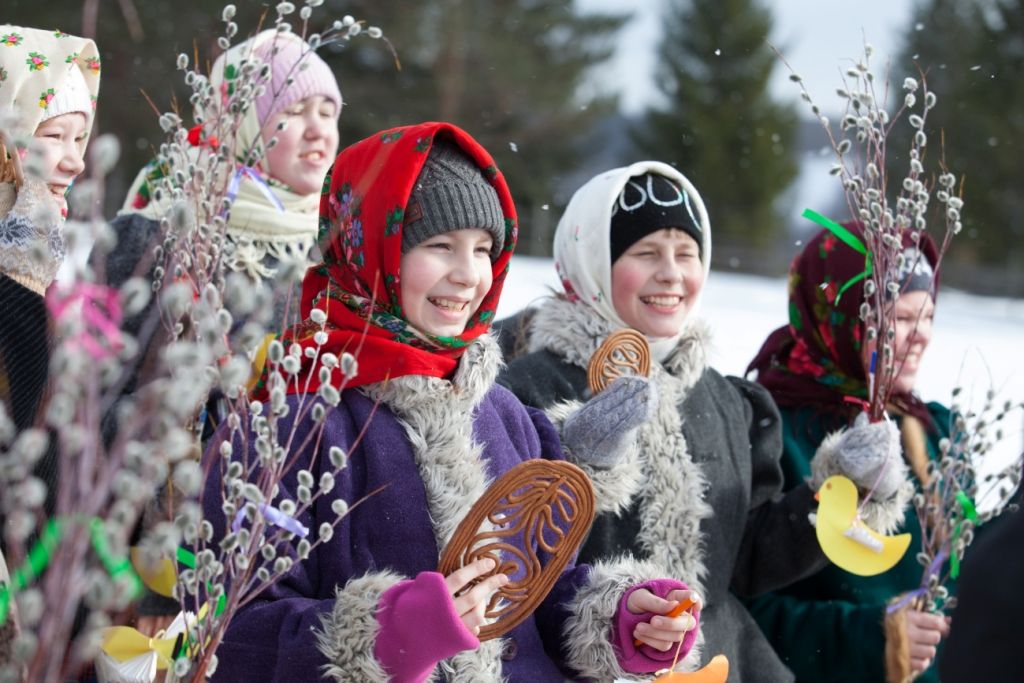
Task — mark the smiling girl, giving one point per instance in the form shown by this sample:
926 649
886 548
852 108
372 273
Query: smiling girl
699 496
810 366
419 228
273 214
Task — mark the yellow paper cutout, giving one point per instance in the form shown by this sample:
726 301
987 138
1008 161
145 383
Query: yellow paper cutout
716 671
845 539
124 643
159 577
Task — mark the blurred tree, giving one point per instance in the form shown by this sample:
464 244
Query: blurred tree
970 53
719 125
509 71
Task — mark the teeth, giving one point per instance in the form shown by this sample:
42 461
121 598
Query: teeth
449 305
661 300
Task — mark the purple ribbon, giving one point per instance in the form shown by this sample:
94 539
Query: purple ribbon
275 517
932 570
254 176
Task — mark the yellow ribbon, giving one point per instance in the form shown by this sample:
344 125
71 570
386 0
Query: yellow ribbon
124 643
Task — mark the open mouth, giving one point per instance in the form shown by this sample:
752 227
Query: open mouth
314 157
449 305
665 301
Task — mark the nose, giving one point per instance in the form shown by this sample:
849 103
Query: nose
668 271
71 161
316 124
464 270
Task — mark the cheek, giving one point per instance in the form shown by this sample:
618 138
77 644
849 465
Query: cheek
282 155
627 280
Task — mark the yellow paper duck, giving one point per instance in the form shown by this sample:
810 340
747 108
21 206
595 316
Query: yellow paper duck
845 539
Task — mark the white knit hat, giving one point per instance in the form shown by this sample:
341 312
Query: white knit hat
72 96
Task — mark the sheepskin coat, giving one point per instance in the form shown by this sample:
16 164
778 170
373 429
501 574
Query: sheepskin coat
432 448
700 496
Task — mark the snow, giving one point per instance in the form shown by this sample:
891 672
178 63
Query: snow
977 341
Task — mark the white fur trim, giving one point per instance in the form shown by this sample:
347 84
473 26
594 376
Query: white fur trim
672 486
593 612
437 416
884 516
614 487
348 633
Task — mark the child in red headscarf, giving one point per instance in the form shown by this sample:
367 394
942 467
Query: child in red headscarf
417 229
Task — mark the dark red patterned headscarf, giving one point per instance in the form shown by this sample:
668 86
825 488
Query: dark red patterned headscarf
815 360
358 285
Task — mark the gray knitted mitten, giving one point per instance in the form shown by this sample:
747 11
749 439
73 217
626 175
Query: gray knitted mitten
865 449
600 432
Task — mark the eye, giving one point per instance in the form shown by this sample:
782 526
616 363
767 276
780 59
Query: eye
483 249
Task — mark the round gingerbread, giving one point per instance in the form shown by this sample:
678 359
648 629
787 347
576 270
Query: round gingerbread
624 352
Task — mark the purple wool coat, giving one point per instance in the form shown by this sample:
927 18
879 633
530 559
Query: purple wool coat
318 622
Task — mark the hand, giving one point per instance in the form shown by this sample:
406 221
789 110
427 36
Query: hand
471 604
601 430
924 631
663 632
869 454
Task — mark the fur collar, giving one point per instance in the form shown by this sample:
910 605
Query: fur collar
437 416
672 486
574 332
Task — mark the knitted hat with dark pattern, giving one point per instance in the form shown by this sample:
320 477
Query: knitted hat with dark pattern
451 193
649 203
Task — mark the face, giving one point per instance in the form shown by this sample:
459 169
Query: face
307 146
656 282
62 149
915 312
444 279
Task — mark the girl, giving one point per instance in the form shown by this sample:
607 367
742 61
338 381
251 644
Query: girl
300 108
48 86
418 230
699 496
834 625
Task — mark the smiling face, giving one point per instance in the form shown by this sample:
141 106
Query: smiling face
656 281
62 149
444 279
307 146
915 312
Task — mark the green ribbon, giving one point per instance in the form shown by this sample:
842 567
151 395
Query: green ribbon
41 553
188 558
847 238
971 513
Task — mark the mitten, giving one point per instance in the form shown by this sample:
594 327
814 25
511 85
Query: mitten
419 627
869 455
31 242
602 429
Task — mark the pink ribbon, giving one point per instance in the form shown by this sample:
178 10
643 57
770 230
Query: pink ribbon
100 333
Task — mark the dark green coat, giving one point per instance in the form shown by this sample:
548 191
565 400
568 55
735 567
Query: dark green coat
828 627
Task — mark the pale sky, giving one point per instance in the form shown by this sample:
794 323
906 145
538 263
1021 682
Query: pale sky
818 38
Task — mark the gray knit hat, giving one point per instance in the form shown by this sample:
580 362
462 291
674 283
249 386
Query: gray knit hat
451 193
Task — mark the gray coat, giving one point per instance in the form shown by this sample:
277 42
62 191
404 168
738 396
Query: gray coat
701 492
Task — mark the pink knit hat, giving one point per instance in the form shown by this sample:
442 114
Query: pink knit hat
291 57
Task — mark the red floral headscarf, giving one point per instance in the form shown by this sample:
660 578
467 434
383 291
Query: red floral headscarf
816 359
358 285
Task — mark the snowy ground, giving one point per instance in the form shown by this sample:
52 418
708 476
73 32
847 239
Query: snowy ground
977 342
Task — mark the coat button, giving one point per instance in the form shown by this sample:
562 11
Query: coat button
509 650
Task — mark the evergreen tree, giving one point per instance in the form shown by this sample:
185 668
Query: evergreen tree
719 126
970 54
509 71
